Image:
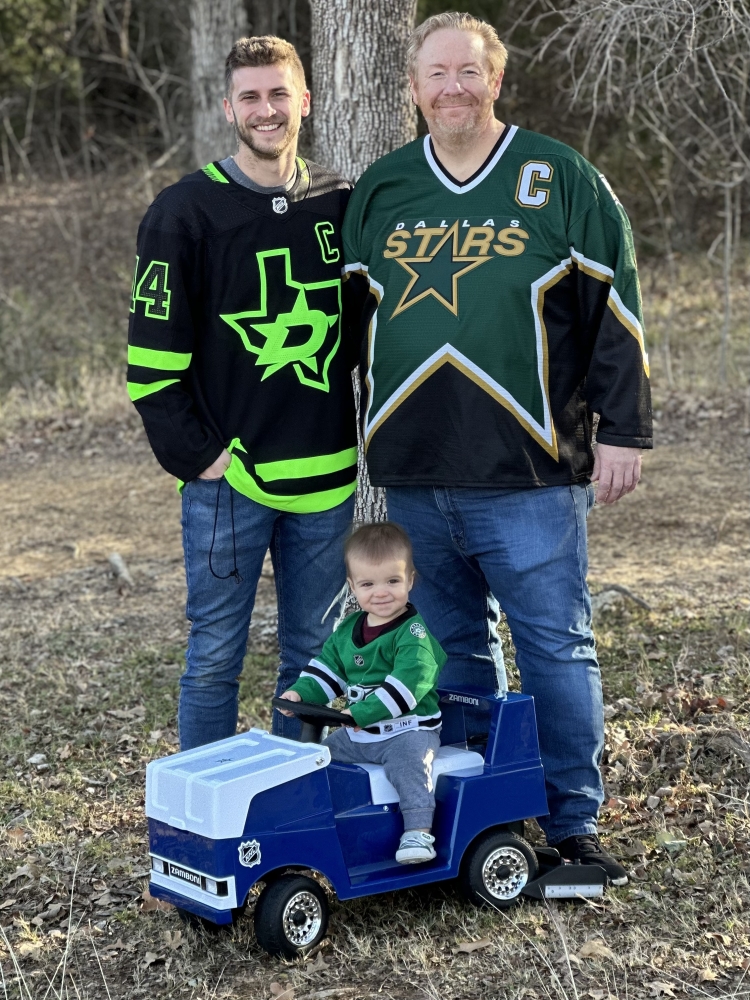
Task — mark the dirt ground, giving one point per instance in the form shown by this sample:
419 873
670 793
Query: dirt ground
88 678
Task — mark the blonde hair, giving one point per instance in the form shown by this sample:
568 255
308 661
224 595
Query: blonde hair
263 50
495 52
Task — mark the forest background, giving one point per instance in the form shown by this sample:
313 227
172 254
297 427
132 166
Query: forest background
102 104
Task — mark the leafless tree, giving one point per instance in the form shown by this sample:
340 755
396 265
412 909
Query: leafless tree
362 110
679 68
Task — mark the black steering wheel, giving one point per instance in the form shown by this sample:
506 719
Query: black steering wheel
313 717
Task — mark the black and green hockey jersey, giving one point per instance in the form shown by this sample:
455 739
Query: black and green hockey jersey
236 337
392 677
504 311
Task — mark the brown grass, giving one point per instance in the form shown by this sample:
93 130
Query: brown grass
89 671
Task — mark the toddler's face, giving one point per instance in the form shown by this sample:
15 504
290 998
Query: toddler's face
382 589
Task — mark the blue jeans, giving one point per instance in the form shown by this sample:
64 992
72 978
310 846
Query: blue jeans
308 561
525 549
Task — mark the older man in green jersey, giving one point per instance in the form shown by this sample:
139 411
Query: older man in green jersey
505 312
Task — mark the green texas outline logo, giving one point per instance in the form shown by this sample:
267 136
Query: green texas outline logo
296 324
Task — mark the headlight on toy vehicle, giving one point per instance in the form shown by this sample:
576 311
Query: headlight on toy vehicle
158 865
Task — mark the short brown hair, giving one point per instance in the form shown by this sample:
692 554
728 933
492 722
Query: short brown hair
263 50
379 541
495 51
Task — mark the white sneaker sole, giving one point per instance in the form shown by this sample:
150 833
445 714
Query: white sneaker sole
414 856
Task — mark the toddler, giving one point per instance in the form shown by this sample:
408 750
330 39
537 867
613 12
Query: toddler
387 664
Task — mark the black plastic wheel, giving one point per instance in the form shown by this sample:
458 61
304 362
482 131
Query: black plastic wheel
291 916
496 868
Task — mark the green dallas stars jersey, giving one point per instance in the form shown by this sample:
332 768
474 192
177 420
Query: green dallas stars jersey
505 310
393 677
236 337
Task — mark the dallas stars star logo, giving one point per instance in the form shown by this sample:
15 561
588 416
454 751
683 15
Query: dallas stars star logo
438 274
305 336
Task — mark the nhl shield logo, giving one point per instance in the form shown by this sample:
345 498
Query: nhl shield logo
359 660
249 851
280 205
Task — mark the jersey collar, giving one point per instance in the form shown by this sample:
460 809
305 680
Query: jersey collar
358 635
490 163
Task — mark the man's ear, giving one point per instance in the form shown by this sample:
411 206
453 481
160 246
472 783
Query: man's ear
413 90
305 108
228 112
498 85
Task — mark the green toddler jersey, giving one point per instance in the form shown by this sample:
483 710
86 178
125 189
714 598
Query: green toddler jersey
504 311
393 676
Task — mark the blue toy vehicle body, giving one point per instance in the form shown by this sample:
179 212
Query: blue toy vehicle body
257 807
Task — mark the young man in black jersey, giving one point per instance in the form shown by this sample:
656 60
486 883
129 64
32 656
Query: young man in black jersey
239 365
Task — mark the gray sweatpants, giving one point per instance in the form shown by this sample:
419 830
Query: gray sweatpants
407 761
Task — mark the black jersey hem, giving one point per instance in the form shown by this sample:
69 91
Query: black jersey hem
473 485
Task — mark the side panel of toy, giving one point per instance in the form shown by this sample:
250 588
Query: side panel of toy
291 826
368 834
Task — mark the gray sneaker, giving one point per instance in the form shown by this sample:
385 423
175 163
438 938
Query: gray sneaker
415 847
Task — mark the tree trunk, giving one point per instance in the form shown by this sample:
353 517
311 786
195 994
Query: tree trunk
213 28
361 110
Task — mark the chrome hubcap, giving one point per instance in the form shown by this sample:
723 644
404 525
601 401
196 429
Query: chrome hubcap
302 918
505 872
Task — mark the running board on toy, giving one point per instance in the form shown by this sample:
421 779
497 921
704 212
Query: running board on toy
562 880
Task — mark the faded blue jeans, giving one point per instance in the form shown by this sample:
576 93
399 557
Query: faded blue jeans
526 550
307 551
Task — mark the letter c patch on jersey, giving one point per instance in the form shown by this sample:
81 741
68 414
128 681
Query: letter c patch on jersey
528 192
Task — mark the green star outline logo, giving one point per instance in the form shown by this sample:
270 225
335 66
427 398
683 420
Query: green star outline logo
274 353
446 256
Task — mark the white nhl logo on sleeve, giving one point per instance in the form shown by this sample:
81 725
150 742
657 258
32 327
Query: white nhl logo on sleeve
249 851
280 205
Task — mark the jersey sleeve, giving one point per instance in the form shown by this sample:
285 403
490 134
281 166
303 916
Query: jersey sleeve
609 304
414 674
323 678
161 342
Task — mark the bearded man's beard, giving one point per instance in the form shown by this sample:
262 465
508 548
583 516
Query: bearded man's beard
452 131
246 136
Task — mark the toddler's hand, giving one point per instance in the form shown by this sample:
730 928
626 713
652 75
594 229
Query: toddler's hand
289 696
357 729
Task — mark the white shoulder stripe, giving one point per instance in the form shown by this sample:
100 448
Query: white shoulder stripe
594 265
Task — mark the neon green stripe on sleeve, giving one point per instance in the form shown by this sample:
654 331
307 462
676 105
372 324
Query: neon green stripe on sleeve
168 361
137 390
301 468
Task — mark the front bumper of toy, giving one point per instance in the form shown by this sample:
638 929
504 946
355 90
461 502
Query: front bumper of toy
193 890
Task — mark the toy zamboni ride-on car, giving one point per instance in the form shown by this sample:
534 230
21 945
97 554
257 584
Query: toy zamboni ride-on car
257 808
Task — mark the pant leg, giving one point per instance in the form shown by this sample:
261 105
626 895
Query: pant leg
531 546
450 591
407 761
308 558
219 609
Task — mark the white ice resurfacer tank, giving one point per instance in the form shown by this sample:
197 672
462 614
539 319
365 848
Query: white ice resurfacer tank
208 790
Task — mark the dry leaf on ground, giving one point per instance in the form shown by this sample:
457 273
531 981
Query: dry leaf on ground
467 947
717 936
281 991
150 957
318 965
150 903
707 976
595 949
173 940
659 989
